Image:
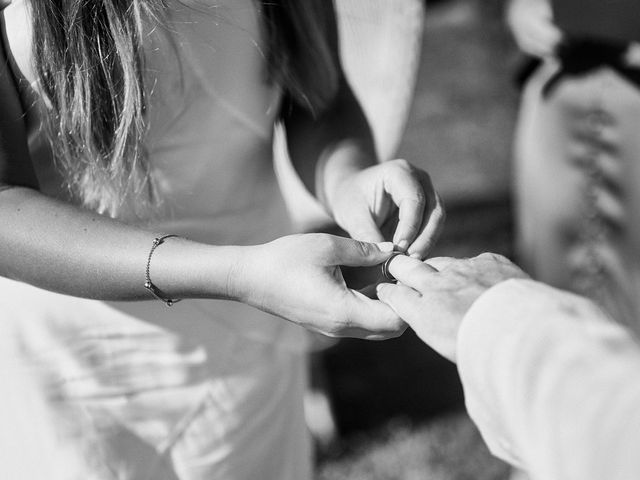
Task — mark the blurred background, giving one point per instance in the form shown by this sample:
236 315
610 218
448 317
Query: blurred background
398 406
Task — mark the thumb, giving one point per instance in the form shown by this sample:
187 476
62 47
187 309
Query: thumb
354 253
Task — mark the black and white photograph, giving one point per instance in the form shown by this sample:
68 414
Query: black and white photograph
319 239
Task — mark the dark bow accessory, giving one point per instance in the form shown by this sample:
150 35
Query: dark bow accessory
579 57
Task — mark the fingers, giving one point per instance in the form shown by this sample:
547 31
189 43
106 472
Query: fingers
420 210
354 253
364 228
408 194
403 300
411 272
435 218
371 319
442 263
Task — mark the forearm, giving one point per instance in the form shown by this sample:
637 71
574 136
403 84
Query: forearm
60 247
324 150
551 383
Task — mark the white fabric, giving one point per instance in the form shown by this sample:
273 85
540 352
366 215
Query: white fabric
552 383
144 401
206 389
380 46
578 148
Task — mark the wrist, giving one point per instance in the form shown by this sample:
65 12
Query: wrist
228 276
186 269
238 274
337 168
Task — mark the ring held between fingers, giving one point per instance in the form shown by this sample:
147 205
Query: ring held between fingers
411 271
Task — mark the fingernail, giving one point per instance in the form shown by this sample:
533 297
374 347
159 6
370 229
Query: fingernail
380 288
386 247
416 256
403 245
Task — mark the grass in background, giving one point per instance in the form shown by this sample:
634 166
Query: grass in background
447 449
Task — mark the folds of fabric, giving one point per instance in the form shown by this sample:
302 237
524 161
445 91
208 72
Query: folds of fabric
552 383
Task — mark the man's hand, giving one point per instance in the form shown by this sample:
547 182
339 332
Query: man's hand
389 201
433 296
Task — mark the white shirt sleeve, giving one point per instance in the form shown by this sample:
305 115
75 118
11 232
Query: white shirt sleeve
552 383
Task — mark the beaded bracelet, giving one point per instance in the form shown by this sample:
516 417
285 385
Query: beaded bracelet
148 284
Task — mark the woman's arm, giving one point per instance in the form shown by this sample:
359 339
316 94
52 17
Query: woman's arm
61 247
66 249
335 157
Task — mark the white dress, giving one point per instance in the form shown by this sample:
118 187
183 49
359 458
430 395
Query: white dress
205 389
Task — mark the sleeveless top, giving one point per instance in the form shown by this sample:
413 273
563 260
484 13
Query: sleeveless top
211 119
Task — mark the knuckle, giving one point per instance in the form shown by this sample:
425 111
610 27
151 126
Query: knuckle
363 248
402 163
420 197
493 258
416 198
324 241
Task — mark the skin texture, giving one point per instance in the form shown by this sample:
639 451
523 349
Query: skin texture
434 296
64 248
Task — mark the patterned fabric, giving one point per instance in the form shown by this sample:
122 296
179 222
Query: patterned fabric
577 172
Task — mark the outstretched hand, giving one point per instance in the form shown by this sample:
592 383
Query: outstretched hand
298 277
434 296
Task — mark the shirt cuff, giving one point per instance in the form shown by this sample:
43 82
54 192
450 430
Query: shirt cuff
490 337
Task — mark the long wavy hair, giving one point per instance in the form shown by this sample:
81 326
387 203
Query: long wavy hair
89 62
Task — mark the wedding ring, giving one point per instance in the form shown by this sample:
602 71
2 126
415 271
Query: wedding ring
385 266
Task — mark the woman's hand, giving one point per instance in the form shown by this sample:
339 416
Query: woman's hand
298 277
433 297
531 22
389 201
